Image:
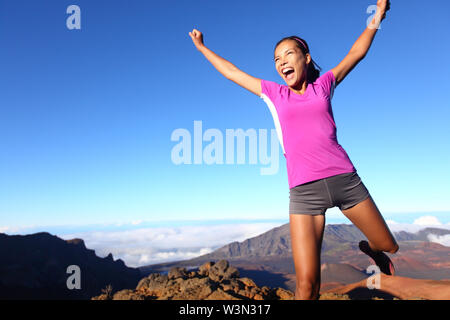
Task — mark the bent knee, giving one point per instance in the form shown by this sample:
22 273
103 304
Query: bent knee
390 247
394 248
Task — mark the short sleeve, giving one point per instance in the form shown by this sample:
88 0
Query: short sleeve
328 83
269 89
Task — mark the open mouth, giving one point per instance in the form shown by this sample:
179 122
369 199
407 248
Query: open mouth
288 73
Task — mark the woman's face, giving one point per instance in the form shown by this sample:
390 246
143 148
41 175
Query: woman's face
290 62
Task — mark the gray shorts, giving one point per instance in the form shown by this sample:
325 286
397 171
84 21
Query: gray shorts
315 197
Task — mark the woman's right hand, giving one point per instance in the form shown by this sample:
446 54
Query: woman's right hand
225 67
197 38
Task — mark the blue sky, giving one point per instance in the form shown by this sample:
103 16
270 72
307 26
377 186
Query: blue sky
86 115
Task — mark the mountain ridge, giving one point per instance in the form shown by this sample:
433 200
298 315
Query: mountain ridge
35 267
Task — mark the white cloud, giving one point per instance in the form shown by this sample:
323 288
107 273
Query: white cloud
145 246
4 229
427 221
444 239
9 230
418 224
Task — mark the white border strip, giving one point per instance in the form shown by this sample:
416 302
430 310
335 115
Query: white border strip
276 121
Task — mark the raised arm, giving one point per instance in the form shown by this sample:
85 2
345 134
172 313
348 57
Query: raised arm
226 68
362 45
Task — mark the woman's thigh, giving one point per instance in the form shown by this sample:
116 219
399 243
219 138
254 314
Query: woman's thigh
306 240
367 218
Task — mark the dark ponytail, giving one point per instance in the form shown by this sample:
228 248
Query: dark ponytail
313 71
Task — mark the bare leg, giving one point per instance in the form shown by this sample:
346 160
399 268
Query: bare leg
306 237
367 218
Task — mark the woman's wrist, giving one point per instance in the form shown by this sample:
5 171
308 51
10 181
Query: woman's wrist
201 47
383 15
377 19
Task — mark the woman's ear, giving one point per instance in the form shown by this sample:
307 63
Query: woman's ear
308 58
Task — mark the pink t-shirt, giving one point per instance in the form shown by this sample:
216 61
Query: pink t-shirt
306 130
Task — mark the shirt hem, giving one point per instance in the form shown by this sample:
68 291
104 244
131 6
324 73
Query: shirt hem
296 184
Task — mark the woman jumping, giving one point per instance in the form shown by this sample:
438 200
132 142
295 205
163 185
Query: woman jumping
320 173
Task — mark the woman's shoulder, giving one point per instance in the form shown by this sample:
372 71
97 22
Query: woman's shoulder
272 89
326 81
325 77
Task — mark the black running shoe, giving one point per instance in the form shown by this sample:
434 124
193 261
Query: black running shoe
380 258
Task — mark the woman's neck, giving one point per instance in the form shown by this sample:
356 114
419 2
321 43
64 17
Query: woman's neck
301 87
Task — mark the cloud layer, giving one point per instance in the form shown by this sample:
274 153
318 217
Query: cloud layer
139 244
444 240
145 246
418 224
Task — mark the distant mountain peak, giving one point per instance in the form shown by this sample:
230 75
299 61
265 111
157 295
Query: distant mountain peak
109 257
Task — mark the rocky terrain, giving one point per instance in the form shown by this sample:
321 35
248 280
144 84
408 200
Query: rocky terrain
220 281
212 281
